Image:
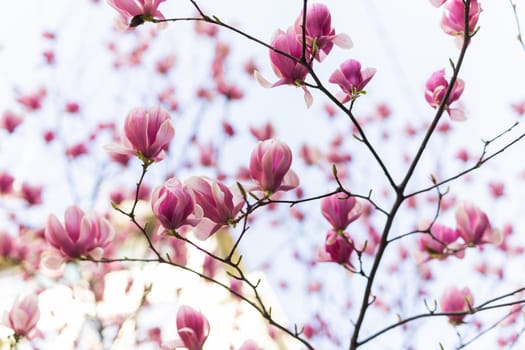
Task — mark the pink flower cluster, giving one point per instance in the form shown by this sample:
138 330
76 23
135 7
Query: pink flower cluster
208 205
291 61
472 226
201 202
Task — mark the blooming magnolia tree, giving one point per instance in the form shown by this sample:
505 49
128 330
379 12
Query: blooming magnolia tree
365 247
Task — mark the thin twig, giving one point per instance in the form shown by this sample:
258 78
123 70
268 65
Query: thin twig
518 26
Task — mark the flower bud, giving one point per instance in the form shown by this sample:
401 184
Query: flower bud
270 166
193 328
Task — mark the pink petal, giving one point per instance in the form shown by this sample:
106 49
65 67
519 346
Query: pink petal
261 80
343 41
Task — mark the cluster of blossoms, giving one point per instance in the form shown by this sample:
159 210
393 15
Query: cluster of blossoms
452 23
340 210
472 226
209 205
292 62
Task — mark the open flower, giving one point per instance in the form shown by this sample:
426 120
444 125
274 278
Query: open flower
455 300
136 12
288 70
320 37
340 210
435 90
23 316
474 227
218 203
439 243
80 235
351 79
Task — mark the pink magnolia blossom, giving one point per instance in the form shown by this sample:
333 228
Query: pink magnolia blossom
288 70
435 90
76 150
148 133
319 34
72 107
6 183
340 210
80 235
136 12
10 121
270 166
33 102
173 204
351 79
438 244
218 203
193 328
32 194
338 248
455 300
23 316
473 225
453 20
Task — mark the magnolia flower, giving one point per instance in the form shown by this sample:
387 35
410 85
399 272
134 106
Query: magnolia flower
474 227
80 235
288 70
193 328
270 164
340 210
455 300
320 37
173 204
10 121
453 20
6 182
351 79
136 12
438 244
148 133
218 204
435 90
23 316
338 248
